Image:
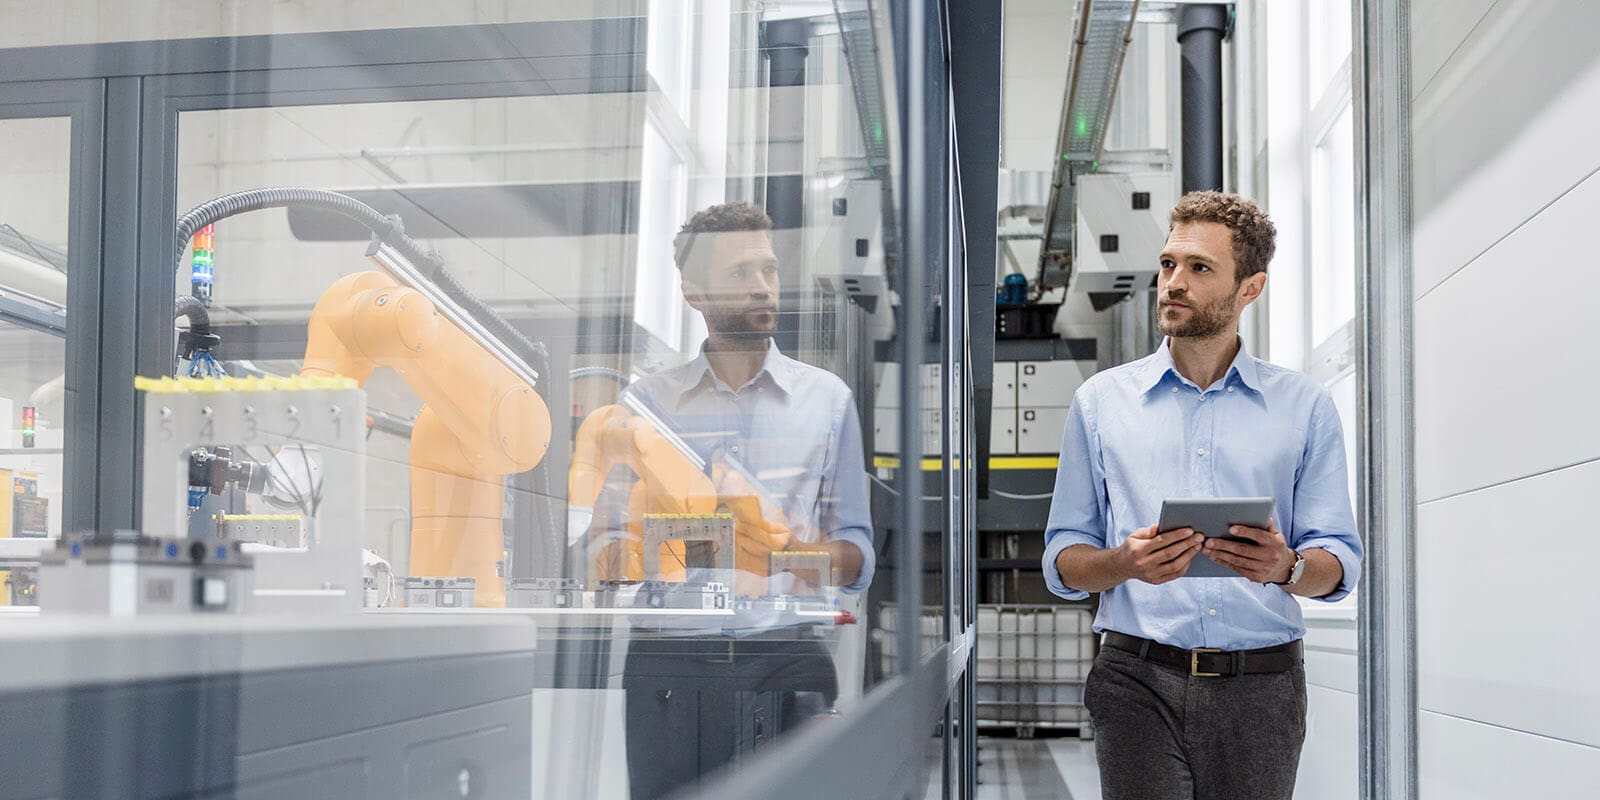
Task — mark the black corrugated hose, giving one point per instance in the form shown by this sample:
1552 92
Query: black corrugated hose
390 231
191 307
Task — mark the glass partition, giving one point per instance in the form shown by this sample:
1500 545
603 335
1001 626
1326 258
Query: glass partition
522 405
36 160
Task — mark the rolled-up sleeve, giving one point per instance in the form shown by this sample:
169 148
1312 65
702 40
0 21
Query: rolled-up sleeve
846 514
1322 513
1077 513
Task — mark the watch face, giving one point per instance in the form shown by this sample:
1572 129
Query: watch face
1298 569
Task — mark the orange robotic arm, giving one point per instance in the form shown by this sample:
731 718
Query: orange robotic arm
669 483
479 422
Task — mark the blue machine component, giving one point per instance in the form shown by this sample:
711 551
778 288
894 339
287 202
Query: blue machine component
1014 291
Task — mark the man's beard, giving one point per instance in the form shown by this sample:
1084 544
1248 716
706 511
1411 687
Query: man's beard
1204 322
737 327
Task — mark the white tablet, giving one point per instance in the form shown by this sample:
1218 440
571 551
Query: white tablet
1211 517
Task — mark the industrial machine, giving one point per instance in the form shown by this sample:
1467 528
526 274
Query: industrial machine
687 519
854 245
21 587
128 574
481 417
283 421
1121 228
482 420
30 513
446 593
544 593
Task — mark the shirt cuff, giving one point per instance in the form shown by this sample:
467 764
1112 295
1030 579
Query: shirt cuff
1052 576
869 557
1347 559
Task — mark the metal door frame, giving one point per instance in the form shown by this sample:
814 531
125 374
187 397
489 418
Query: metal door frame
83 103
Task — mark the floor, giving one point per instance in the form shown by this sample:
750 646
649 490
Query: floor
1034 769
1030 769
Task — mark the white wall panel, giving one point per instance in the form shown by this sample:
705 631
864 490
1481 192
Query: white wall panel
1437 28
1331 646
1507 441
1330 763
1465 760
1506 599
1501 383
1505 127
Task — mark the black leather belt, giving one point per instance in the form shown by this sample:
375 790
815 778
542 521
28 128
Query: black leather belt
1206 662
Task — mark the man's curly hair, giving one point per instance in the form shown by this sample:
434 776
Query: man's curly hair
1254 237
721 218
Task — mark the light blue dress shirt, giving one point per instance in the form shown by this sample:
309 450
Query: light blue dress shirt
793 427
1140 433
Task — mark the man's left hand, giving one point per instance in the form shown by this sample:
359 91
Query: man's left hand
1265 558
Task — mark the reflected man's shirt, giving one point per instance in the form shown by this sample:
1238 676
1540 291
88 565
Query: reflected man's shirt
793 427
1141 433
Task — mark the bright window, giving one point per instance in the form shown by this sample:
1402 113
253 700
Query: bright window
1333 230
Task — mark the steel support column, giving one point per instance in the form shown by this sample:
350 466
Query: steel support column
1381 72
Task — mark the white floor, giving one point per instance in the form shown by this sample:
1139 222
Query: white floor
1075 760
1033 769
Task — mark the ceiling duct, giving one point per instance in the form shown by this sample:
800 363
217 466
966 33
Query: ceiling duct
857 35
1100 40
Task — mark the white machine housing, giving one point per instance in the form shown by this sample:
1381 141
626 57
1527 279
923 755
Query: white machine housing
325 575
849 257
852 243
129 575
1107 208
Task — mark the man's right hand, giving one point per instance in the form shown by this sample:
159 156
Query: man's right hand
1156 558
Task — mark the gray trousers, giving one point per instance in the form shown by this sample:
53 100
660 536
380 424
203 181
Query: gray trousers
1163 735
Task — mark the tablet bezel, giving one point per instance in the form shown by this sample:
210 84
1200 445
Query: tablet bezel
1211 517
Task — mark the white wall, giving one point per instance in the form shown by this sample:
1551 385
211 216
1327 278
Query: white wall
1038 36
1506 96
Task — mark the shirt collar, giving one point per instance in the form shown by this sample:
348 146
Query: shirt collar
1160 365
776 367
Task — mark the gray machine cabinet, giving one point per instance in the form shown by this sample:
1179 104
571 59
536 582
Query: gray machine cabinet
1050 383
474 752
1039 430
426 728
1003 432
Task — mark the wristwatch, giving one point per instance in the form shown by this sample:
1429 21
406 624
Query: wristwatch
1295 571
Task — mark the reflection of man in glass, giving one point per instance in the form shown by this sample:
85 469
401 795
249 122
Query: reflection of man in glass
696 701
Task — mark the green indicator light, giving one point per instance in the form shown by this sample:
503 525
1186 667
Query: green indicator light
1094 167
1083 126
1065 157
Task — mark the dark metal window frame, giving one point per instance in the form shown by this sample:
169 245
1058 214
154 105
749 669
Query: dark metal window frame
82 102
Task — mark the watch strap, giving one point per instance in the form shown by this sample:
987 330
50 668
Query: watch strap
1297 570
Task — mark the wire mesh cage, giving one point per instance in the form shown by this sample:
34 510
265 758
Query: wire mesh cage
1032 662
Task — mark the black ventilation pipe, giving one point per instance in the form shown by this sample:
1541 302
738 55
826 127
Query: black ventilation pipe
1201 29
785 44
